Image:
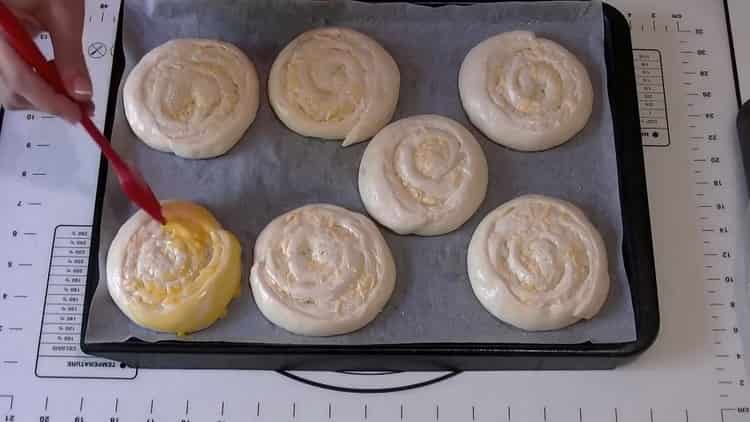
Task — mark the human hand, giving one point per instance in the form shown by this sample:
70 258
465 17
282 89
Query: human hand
20 86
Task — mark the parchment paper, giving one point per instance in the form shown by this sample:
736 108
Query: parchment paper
273 170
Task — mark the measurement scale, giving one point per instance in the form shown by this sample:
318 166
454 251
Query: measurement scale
694 372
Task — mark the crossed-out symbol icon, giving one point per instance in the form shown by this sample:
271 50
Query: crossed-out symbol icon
97 50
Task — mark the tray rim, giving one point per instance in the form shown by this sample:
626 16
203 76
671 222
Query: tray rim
637 248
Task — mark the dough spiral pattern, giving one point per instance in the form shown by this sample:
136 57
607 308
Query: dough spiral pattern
321 270
193 97
177 278
334 83
537 263
525 92
424 174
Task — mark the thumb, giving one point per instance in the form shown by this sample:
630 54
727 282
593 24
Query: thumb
64 21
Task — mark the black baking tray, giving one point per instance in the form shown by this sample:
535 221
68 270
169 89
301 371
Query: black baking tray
637 251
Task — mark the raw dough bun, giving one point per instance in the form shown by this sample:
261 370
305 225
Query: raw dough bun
538 263
524 92
178 278
334 83
424 174
322 270
195 98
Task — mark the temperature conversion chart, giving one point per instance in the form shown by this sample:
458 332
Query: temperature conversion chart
696 370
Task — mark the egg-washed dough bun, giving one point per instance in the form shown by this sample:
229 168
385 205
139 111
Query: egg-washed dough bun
178 278
321 270
334 83
537 263
424 175
524 92
193 97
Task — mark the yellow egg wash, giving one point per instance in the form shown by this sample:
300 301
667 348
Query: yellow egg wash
176 278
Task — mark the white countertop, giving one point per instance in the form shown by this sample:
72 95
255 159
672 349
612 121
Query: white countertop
694 372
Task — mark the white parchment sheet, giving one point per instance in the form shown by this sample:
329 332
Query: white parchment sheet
273 170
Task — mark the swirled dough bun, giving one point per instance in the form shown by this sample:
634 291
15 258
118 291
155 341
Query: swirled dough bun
334 83
321 270
524 92
424 174
193 97
178 278
537 263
